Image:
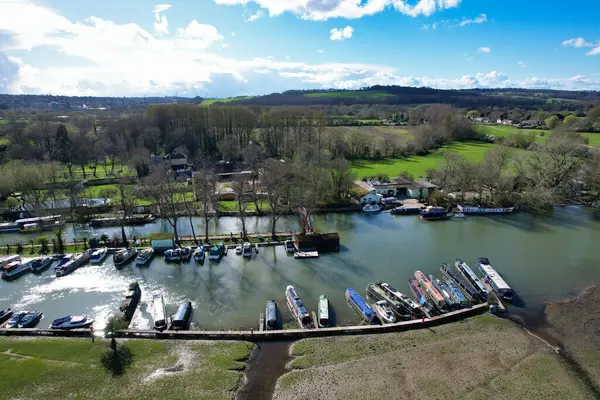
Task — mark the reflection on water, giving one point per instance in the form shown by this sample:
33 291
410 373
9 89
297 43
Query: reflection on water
542 257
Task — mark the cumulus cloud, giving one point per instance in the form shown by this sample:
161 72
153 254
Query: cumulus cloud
321 10
581 43
484 50
479 20
255 16
161 25
521 64
454 23
341 34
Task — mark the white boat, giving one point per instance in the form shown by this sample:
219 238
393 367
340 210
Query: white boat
468 209
458 215
494 279
122 257
290 247
247 250
173 255
239 249
40 264
384 312
159 312
144 256
7 260
372 208
199 253
14 269
77 261
186 253
99 255
72 322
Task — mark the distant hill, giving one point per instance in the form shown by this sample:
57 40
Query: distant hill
392 95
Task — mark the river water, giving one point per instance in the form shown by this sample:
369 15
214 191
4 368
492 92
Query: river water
543 257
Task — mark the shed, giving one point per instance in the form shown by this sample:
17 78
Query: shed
371 198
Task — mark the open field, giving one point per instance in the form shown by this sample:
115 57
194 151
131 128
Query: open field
352 94
208 102
374 130
503 131
70 368
418 165
480 358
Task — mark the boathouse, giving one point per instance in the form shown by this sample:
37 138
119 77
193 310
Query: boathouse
401 188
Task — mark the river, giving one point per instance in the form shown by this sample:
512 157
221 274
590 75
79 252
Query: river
543 257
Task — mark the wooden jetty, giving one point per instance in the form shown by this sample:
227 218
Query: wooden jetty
267 335
261 323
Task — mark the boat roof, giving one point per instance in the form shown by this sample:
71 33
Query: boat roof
494 276
181 311
36 219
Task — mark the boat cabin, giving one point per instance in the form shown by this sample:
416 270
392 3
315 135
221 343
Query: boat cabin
8 260
11 267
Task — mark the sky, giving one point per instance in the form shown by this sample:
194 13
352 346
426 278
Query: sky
221 48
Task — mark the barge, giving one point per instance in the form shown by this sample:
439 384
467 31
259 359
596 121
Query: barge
323 311
181 319
434 295
471 277
421 296
432 213
361 306
132 299
159 312
298 309
443 290
375 291
453 274
494 279
457 295
77 261
271 315
469 209
407 302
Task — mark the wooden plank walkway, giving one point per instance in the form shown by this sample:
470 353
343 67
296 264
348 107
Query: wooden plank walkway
267 335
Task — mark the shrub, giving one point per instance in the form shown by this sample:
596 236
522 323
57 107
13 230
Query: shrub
115 324
116 358
19 248
43 241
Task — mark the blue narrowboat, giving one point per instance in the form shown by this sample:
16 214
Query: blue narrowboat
471 277
271 314
433 213
360 305
453 274
181 319
459 298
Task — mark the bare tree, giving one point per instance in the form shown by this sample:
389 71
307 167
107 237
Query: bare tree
161 187
279 179
240 188
342 178
206 190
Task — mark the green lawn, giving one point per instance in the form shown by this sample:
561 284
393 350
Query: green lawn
232 205
593 137
70 368
3 121
504 131
208 102
374 130
418 165
352 94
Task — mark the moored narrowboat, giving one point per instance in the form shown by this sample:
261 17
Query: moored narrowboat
376 292
181 319
443 290
271 315
159 312
452 273
323 311
407 302
361 306
432 213
471 277
297 308
421 296
497 283
434 295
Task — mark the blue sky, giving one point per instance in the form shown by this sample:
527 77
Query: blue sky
220 48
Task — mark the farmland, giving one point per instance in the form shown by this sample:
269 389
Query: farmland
352 94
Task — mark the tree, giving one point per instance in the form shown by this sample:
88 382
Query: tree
126 198
206 190
43 241
570 120
63 146
552 122
240 188
279 180
161 187
253 157
342 178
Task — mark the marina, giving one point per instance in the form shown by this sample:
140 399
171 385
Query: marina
231 294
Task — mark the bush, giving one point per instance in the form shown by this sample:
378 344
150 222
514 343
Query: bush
116 358
115 324
19 248
43 241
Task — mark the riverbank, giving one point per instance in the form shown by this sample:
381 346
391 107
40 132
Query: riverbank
63 368
575 324
482 357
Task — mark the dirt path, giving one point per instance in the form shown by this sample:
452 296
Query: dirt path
266 365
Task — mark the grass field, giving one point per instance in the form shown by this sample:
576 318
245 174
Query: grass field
70 368
208 102
352 94
418 165
232 205
374 130
483 357
503 131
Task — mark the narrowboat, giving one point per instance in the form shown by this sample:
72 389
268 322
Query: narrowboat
159 312
63 260
37 224
132 298
469 209
297 308
7 260
323 311
290 247
145 256
217 251
247 252
471 277
172 255
125 256
9 227
13 322
41 264
384 312
443 290
199 253
72 322
453 274
421 296
30 319
361 306
77 261
497 283
271 315
181 319
432 213
5 314
99 255
30 228
372 208
457 295
186 254
375 291
434 295
15 269
407 302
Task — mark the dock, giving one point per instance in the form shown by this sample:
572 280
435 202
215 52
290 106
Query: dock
315 320
261 323
274 335
493 295
306 254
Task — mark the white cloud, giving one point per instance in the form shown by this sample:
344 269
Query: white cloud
521 64
321 10
594 52
287 58
233 34
161 25
581 43
203 35
321 51
482 18
479 20
255 16
484 50
341 34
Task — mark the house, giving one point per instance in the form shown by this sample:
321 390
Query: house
177 162
401 188
371 198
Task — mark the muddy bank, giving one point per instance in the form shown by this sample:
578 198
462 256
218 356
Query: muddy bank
575 324
266 365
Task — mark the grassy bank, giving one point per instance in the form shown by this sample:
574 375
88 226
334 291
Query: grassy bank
418 165
480 358
70 368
